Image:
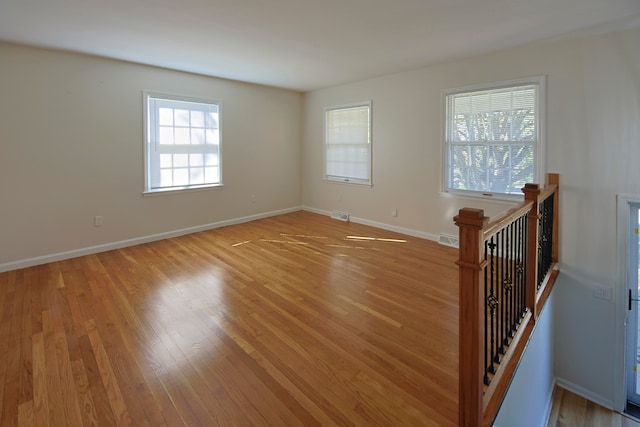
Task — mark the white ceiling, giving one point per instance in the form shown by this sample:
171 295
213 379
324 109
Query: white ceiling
301 44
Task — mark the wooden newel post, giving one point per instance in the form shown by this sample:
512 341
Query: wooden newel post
531 193
472 302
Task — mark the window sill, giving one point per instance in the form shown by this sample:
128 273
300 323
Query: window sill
175 190
348 182
478 195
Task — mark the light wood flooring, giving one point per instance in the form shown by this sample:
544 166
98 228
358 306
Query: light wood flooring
571 410
295 320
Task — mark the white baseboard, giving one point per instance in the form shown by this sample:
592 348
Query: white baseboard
583 392
59 256
381 225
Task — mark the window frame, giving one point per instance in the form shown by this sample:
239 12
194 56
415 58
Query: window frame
538 144
350 180
150 162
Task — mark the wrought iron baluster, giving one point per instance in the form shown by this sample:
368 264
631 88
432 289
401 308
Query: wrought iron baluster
522 246
517 261
504 306
522 263
487 357
508 287
492 302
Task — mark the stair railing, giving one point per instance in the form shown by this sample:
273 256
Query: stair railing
507 267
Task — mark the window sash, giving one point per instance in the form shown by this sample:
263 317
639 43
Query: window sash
183 143
492 139
348 143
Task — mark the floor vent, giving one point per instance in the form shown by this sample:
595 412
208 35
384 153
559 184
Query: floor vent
342 216
448 240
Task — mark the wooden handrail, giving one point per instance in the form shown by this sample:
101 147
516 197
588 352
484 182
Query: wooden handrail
479 402
505 218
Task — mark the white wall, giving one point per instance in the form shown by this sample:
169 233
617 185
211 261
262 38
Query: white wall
71 147
593 141
528 400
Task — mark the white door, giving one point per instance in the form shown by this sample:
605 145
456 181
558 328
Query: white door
632 356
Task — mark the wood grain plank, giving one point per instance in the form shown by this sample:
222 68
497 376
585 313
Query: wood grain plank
88 413
40 394
109 380
25 414
97 390
54 383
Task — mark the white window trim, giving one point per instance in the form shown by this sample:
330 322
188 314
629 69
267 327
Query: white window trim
540 149
147 191
355 182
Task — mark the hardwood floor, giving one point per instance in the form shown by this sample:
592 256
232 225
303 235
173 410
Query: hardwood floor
571 410
285 321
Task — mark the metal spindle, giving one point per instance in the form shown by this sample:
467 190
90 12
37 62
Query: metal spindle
521 223
492 302
522 247
504 307
487 380
508 287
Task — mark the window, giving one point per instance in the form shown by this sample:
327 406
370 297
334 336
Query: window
494 137
182 143
348 143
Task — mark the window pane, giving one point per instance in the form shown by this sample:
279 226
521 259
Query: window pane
182 117
166 136
196 159
181 177
165 117
523 165
166 178
180 160
525 126
212 120
165 160
469 168
212 174
197 119
211 159
196 176
213 136
183 136
197 136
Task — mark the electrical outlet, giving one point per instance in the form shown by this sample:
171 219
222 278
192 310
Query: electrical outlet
601 292
394 213
97 220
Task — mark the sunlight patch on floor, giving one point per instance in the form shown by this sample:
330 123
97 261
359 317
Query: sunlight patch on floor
379 239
